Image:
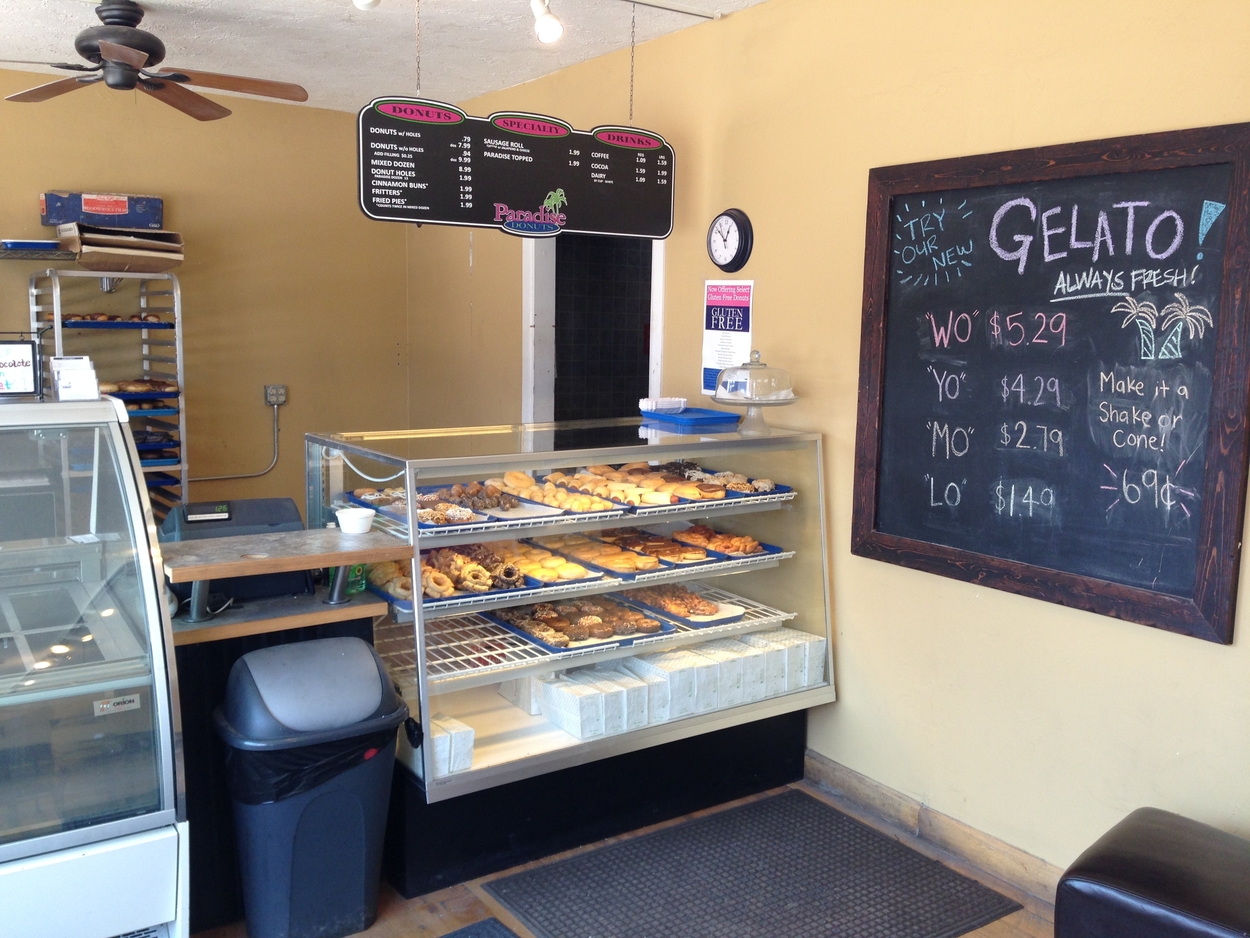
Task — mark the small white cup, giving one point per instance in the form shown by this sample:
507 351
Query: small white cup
355 520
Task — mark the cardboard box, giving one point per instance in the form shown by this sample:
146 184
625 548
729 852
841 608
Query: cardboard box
575 708
460 745
615 705
754 686
657 691
106 209
136 250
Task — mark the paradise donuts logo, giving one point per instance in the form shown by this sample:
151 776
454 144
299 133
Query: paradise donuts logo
548 220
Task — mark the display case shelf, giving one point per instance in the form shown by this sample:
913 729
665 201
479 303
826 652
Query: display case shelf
469 650
512 745
442 608
508 529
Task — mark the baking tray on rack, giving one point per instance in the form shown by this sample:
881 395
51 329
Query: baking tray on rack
153 412
599 514
712 556
616 641
730 612
766 549
526 510
124 324
590 564
401 514
407 605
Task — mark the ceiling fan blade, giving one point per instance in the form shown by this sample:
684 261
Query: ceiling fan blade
186 101
50 90
68 65
114 52
261 86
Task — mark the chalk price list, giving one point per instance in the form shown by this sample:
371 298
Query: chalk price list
1035 403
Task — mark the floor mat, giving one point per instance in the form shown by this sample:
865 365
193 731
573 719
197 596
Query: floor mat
487 928
789 866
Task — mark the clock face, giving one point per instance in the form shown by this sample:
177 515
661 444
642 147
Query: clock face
723 240
729 240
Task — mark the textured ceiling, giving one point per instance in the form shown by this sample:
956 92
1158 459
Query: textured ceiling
344 56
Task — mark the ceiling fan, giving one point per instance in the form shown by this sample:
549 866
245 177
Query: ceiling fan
123 57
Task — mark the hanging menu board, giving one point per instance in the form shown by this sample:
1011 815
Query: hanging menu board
526 174
1054 374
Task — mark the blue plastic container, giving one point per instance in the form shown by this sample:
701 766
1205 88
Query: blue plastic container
693 419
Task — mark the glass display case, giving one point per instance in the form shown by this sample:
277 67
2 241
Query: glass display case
87 736
580 590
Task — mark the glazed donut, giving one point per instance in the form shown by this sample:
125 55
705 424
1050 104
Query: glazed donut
517 479
475 578
400 587
436 585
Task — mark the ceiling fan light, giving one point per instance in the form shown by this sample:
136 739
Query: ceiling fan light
365 4
547 25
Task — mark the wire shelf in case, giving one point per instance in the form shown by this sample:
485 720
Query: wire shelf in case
548 592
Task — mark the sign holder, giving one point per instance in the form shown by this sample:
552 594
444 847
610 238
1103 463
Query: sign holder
21 372
530 175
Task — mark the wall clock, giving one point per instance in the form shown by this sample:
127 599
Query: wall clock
729 240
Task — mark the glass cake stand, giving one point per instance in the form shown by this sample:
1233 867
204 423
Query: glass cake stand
754 385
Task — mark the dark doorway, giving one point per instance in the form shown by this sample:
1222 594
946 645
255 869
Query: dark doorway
603 326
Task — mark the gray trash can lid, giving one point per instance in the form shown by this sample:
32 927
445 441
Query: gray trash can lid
306 692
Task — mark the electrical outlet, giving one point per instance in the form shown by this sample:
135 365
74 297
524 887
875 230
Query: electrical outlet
275 393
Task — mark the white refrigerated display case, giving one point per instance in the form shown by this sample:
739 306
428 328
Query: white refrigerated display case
93 840
478 683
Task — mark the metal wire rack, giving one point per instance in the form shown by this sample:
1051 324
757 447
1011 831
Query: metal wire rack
457 604
468 650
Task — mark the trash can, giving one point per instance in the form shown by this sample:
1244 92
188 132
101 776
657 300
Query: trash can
310 734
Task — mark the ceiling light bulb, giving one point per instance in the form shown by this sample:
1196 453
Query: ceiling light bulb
365 4
546 24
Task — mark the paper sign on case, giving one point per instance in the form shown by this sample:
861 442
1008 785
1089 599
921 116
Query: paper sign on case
726 327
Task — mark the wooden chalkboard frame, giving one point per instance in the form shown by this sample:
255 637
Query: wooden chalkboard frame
1209 614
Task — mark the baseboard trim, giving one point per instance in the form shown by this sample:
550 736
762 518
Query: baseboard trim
1031 875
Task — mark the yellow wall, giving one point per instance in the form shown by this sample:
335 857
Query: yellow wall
1040 725
464 320
285 282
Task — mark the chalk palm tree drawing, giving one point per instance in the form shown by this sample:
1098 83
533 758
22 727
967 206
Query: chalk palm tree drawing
1182 314
1144 315
555 200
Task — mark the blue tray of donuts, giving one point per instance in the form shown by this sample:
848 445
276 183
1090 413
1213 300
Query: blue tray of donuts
622 641
777 489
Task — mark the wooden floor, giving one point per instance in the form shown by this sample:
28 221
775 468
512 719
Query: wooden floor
440 913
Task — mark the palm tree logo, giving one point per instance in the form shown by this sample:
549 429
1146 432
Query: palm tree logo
1144 316
555 200
1182 314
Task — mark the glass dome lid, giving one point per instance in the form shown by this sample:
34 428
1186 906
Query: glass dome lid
754 381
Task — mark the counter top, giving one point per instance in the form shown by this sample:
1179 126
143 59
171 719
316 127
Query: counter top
282 552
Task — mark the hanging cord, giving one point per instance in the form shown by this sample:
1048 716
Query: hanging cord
633 32
418 48
356 469
251 475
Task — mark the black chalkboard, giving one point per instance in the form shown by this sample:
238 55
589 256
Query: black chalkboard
527 174
1054 374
